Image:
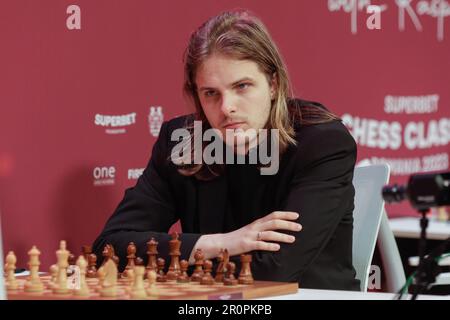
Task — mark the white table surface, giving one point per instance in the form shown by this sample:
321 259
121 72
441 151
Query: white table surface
409 227
314 294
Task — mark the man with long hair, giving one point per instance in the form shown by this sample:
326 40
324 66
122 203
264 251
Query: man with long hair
296 221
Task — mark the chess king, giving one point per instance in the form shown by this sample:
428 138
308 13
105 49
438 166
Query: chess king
296 223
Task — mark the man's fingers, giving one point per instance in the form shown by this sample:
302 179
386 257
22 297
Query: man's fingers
281 215
275 237
266 246
278 224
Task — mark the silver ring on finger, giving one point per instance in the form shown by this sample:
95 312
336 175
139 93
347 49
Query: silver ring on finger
259 236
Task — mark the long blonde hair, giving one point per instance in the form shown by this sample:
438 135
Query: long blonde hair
240 35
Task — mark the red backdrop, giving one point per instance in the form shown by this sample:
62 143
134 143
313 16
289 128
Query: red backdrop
84 88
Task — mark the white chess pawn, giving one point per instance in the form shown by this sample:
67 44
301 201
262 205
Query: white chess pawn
34 283
84 288
10 267
138 289
53 274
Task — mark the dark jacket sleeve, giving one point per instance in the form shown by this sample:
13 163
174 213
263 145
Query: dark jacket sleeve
322 193
147 210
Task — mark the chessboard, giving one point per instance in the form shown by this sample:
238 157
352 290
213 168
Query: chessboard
170 290
80 278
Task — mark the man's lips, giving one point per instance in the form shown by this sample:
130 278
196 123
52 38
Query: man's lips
233 125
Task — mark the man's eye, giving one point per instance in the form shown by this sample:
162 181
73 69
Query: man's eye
242 86
209 93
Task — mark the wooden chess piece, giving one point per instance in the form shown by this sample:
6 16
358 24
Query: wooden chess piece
161 277
138 289
207 278
10 268
92 266
83 290
220 267
86 250
34 283
109 253
71 259
139 261
62 255
53 274
129 276
198 271
245 276
174 252
131 256
230 279
152 289
152 253
109 283
183 277
101 274
71 269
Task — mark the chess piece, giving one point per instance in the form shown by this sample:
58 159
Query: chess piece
109 283
113 256
183 277
62 255
53 274
86 250
226 259
138 289
174 252
131 256
245 276
220 267
139 261
101 274
71 260
129 276
109 253
106 253
152 253
207 278
92 266
83 290
229 279
198 271
161 277
71 269
34 283
152 290
10 267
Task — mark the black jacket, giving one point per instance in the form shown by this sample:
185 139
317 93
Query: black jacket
314 179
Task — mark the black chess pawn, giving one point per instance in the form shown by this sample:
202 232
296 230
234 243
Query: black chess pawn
198 271
230 279
92 266
160 276
183 277
207 278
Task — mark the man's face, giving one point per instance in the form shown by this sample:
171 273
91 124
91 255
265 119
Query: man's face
234 94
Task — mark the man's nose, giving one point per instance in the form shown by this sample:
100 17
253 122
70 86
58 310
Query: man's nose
228 106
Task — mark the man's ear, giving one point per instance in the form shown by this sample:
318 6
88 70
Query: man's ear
273 86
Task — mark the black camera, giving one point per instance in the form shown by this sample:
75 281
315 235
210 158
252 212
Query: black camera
424 191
